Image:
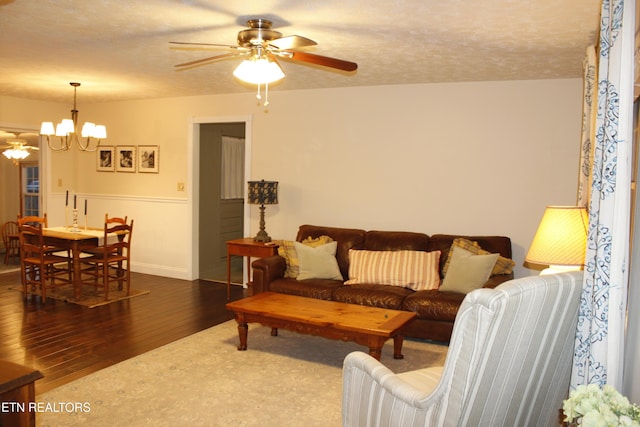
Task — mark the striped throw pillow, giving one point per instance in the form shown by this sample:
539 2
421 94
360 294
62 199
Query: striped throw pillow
417 270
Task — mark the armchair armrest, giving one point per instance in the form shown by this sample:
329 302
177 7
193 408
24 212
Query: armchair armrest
265 270
373 395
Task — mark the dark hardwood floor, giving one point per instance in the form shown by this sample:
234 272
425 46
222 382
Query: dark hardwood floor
65 341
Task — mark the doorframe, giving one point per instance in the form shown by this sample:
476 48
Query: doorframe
193 190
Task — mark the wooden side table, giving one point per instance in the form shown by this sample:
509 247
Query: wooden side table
247 247
17 386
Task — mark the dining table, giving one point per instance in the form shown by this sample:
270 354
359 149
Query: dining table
74 240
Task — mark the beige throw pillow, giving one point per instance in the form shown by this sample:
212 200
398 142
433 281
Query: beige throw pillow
467 271
503 265
417 270
287 250
318 262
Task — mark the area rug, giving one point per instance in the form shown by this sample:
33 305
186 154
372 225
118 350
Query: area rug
91 296
203 380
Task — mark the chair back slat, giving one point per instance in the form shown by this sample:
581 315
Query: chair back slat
123 231
31 240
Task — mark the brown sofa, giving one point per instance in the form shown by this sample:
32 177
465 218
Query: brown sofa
436 310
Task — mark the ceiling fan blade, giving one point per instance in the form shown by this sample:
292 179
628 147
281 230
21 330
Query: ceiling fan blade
209 59
292 42
325 61
207 44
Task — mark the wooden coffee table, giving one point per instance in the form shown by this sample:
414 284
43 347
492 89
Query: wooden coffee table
368 326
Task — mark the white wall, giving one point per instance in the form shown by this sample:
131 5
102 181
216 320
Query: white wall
474 158
462 158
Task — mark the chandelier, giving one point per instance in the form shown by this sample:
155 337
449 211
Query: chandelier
67 131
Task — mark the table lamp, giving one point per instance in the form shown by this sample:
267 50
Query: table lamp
561 239
262 193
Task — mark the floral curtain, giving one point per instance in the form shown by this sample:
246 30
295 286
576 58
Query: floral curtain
599 345
588 123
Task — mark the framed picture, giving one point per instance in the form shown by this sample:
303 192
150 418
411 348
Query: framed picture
105 159
148 158
125 158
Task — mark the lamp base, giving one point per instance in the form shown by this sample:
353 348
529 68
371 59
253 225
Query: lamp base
555 269
262 236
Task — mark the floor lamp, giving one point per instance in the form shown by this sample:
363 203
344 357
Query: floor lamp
262 193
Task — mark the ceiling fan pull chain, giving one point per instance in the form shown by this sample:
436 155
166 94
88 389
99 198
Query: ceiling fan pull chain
266 95
258 96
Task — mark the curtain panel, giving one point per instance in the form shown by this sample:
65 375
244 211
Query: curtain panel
599 344
588 126
232 168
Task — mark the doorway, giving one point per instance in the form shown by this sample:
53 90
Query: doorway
19 186
221 161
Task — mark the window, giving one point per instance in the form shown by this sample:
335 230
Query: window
29 189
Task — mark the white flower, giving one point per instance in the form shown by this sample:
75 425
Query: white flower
591 406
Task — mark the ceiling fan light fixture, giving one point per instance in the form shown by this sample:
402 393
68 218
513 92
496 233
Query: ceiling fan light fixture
258 71
16 153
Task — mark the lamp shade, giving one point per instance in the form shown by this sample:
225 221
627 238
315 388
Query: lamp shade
263 192
561 238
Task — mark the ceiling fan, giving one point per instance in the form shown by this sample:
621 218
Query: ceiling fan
261 46
17 149
260 39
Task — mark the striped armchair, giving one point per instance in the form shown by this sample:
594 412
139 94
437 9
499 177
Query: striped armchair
508 364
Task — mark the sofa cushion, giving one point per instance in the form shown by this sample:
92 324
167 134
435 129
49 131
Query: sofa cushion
314 288
467 271
383 296
395 241
318 262
434 304
412 269
502 266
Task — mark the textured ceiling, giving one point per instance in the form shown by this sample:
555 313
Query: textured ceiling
119 49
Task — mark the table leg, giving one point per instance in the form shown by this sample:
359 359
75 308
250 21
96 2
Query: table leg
248 270
243 330
375 344
397 346
375 352
228 276
77 275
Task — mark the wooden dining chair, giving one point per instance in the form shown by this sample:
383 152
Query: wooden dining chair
39 266
43 221
11 241
110 262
